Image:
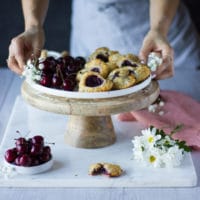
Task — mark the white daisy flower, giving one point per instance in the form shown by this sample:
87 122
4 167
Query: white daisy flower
154 148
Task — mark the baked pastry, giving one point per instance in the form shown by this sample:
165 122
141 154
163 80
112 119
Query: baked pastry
112 170
98 66
141 73
94 82
128 60
122 78
80 74
101 53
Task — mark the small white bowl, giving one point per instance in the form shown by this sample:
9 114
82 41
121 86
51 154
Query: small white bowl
31 170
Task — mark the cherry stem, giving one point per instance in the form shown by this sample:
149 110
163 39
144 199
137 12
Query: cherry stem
19 133
61 75
53 143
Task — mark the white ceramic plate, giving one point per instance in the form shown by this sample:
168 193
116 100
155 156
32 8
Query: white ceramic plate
86 95
31 170
89 95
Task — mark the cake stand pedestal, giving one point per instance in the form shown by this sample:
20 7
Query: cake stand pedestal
90 124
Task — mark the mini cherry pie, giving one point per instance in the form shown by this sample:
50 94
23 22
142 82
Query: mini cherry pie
111 170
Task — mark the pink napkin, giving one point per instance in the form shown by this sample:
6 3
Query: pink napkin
178 109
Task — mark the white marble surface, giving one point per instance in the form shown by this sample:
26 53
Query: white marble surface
10 88
71 164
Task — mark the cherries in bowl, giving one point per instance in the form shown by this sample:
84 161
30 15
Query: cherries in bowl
29 156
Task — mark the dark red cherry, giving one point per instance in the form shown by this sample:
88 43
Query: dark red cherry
36 149
10 155
37 139
80 60
44 65
20 140
35 161
67 85
56 81
25 160
47 149
73 68
22 149
46 80
17 160
68 60
45 157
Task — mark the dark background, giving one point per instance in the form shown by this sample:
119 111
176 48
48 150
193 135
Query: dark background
57 24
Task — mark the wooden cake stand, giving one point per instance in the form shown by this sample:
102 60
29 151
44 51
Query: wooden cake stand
90 124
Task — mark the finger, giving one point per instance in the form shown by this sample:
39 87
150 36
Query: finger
13 65
145 51
165 74
17 48
126 117
166 69
37 52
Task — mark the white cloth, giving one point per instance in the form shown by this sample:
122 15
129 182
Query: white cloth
122 24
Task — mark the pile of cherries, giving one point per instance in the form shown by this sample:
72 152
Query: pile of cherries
28 152
60 73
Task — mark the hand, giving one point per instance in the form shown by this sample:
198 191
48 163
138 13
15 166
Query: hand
23 46
154 41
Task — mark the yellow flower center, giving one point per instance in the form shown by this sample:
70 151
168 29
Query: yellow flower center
152 159
150 139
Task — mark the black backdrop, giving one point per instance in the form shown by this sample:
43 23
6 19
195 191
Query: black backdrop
57 25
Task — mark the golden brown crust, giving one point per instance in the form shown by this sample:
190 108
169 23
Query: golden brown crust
98 66
80 74
100 51
102 86
122 78
128 60
95 169
112 170
142 72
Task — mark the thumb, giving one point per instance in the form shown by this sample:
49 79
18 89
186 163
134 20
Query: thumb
144 52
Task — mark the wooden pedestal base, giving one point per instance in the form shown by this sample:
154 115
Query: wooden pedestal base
90 124
90 131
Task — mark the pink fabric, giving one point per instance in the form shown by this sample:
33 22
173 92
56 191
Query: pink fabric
178 109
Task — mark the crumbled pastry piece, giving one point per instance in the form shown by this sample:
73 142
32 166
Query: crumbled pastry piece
141 73
98 66
122 78
94 82
112 170
96 169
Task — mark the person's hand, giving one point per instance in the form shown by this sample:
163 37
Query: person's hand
154 41
23 46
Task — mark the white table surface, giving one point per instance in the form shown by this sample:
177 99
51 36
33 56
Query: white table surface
10 88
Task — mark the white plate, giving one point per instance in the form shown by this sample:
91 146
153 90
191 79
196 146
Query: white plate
31 170
55 54
89 95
